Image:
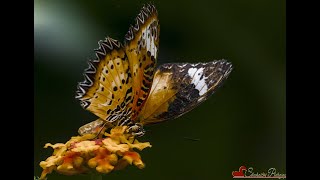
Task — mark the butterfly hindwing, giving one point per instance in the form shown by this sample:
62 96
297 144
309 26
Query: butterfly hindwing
106 89
141 46
179 87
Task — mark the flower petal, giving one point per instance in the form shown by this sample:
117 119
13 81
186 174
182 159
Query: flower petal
112 146
139 145
133 157
85 146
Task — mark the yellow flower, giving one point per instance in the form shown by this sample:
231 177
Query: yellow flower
72 164
59 148
139 145
103 161
81 154
85 146
113 146
133 157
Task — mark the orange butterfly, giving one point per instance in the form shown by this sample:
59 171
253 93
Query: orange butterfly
123 87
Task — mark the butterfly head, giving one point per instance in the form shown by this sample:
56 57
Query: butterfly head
136 130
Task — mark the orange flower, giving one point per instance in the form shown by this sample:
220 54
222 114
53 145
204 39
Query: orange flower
133 157
103 161
83 154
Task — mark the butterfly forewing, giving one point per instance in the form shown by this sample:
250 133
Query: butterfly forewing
178 88
141 46
106 89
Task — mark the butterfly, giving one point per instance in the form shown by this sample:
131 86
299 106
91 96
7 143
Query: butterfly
123 86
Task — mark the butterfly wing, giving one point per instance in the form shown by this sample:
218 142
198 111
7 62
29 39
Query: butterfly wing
178 88
141 47
118 82
106 90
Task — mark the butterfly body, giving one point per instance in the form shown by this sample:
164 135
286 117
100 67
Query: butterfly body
124 87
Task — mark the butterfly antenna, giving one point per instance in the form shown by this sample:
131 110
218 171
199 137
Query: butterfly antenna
192 139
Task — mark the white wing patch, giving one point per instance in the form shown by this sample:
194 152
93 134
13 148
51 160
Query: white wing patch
191 71
150 42
198 79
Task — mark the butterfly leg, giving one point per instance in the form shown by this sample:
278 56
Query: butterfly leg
101 131
96 127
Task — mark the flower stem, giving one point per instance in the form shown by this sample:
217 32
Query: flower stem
95 176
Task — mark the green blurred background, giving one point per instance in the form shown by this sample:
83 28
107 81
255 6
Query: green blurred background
243 123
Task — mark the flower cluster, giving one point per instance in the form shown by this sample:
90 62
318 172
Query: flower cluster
82 154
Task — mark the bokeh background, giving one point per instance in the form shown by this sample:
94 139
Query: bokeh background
243 123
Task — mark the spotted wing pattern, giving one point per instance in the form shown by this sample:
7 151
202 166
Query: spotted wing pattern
142 46
178 88
118 81
106 90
